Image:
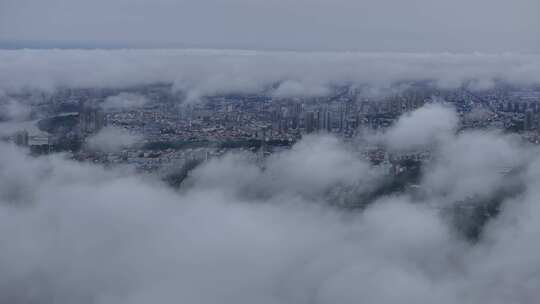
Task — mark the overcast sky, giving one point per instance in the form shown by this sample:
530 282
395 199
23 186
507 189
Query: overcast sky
364 25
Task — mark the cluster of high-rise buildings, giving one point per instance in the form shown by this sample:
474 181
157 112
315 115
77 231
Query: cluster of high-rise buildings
91 120
245 120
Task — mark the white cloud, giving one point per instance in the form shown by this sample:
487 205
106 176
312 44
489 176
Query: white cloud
111 139
13 110
422 128
124 101
205 72
87 233
242 233
293 88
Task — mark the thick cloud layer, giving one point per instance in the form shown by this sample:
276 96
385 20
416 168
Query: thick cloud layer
207 72
366 25
239 233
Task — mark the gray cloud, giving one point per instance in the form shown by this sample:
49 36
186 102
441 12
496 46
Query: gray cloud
112 139
422 128
366 25
471 164
206 72
12 109
124 101
238 233
329 162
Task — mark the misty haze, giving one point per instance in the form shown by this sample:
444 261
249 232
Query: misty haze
249 151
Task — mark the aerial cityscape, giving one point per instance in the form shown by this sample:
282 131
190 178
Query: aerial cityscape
242 151
149 127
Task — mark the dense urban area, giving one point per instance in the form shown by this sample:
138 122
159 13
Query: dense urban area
151 130
167 130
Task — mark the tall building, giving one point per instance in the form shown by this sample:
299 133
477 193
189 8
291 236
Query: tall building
342 116
21 138
310 122
328 121
324 120
91 120
318 120
295 110
528 123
